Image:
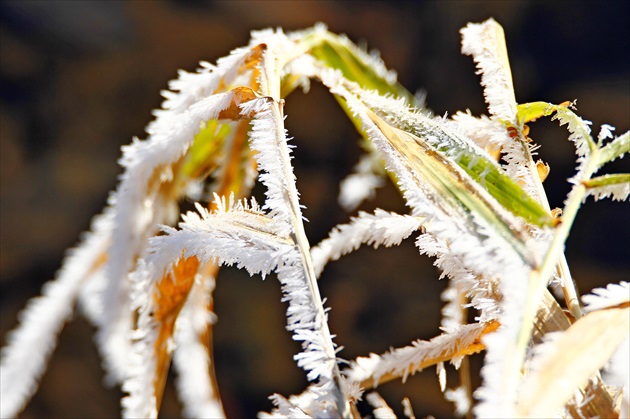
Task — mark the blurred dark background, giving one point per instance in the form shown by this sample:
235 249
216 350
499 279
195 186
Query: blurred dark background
78 79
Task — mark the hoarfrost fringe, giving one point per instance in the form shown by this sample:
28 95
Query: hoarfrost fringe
401 361
380 228
611 296
486 43
306 315
381 409
361 184
137 213
236 233
618 192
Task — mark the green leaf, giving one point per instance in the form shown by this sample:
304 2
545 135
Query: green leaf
451 185
607 180
483 171
335 54
528 112
470 158
580 131
340 54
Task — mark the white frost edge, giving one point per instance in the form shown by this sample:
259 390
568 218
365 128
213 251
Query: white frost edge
29 346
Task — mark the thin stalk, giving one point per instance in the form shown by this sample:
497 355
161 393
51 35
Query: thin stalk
301 241
539 278
464 369
569 288
270 70
464 376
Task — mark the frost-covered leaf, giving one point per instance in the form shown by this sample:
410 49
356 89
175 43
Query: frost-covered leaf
580 129
380 228
447 138
143 199
454 188
616 186
30 345
367 70
306 316
471 223
439 190
158 304
268 138
486 43
615 149
451 346
141 202
236 233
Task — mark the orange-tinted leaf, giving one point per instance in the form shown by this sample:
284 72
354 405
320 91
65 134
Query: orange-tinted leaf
474 347
241 95
169 298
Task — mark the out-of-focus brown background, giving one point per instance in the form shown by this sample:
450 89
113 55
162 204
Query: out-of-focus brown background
80 78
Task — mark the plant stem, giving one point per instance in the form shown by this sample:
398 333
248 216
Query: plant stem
539 278
466 382
569 288
464 370
270 69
